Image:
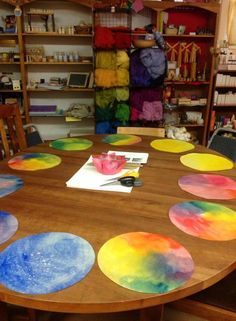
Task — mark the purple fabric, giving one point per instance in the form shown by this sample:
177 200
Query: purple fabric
151 111
141 95
154 60
139 75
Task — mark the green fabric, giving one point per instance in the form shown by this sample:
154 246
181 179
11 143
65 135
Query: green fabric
122 112
103 114
105 97
122 93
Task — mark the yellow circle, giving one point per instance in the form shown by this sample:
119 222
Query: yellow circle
206 162
171 145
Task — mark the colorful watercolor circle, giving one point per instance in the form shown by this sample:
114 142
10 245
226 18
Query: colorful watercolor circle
145 262
45 263
9 184
122 139
34 161
209 186
171 145
206 162
205 220
8 226
71 144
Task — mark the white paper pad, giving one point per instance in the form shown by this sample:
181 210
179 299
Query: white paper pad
88 177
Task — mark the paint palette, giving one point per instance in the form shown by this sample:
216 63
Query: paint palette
45 263
71 144
9 184
8 226
209 186
145 262
122 139
205 220
34 161
171 145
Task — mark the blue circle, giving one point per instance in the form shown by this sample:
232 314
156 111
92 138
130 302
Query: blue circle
45 262
9 184
8 226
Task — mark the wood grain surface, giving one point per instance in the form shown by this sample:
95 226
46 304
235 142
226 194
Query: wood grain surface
45 204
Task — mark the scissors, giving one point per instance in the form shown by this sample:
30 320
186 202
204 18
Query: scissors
127 181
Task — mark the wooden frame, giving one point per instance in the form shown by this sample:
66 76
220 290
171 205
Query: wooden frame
147 131
78 79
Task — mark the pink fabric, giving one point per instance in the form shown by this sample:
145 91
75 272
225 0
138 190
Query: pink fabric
137 5
151 111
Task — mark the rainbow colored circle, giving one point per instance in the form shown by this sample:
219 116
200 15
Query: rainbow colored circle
9 184
209 186
34 161
122 139
71 144
171 145
8 226
145 262
205 220
206 162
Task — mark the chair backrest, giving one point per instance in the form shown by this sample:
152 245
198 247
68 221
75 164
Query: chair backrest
223 141
147 131
5 149
10 115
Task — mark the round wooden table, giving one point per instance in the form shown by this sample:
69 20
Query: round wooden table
45 204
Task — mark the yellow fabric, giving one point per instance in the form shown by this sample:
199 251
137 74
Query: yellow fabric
106 59
232 22
122 77
105 77
122 59
122 94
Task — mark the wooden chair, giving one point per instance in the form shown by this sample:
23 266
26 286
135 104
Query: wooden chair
5 150
147 131
11 122
216 303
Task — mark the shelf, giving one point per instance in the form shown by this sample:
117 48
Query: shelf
229 105
9 63
226 87
190 83
55 34
9 34
60 63
62 90
188 36
10 91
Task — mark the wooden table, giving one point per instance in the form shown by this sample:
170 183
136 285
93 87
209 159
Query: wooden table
45 204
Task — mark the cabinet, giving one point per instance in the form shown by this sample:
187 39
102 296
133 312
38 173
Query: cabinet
190 31
10 66
54 42
223 109
112 40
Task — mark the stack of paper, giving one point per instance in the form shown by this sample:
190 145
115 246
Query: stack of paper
88 177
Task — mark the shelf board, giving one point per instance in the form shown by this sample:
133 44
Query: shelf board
190 125
10 91
188 36
61 90
9 34
225 105
55 34
226 87
190 83
60 63
9 63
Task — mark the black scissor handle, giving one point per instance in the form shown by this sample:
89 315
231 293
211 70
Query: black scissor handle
127 181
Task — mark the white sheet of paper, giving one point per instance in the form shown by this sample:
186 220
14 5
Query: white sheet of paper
139 158
88 177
